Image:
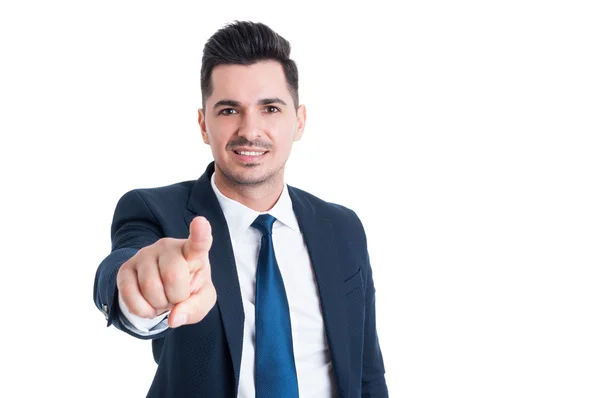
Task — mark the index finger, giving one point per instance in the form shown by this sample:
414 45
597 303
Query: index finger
197 246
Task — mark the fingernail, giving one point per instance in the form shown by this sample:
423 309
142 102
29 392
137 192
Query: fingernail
179 320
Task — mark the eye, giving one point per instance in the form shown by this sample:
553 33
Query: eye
271 109
227 111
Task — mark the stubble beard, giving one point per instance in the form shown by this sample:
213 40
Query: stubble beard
245 182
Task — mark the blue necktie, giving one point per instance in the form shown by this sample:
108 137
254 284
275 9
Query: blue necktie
275 373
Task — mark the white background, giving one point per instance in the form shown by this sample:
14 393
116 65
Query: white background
465 134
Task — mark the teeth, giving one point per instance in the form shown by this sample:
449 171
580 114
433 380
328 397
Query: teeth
246 153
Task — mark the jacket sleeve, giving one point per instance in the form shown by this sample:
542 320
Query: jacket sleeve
133 227
373 372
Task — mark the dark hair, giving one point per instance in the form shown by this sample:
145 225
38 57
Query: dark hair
246 43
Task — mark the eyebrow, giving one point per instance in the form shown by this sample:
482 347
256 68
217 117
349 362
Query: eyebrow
263 101
274 100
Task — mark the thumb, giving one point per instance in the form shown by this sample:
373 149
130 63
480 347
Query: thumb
197 245
194 308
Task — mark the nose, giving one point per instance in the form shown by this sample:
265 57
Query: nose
250 126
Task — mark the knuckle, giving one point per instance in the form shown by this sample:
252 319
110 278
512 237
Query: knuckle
134 302
121 278
177 292
145 256
152 287
128 264
142 310
159 301
126 290
176 296
143 252
169 276
164 244
175 272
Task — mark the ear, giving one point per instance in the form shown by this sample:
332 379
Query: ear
202 124
300 122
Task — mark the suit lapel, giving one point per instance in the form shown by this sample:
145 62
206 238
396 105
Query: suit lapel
320 241
203 202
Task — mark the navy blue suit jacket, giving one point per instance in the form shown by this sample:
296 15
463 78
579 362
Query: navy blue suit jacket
203 359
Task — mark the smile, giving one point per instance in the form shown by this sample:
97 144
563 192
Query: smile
249 153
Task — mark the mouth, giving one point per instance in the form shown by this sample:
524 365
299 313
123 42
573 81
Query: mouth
249 156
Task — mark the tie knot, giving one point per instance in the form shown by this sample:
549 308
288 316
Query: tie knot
264 223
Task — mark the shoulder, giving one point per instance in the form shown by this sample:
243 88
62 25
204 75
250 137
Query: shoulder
168 195
339 215
168 191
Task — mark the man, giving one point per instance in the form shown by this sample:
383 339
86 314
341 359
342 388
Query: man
247 287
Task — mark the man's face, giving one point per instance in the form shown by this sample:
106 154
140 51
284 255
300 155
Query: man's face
250 122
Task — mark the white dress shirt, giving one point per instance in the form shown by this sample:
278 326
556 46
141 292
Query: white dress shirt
311 353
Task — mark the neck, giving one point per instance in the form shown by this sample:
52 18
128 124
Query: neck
259 197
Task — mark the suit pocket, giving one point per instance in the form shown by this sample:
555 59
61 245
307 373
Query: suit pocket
354 283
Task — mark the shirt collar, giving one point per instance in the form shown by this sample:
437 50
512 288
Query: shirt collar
239 217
